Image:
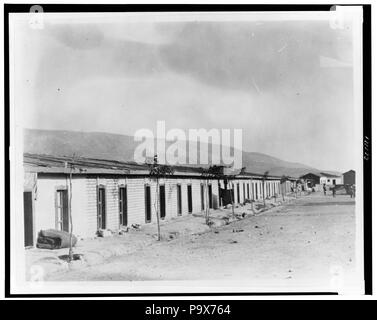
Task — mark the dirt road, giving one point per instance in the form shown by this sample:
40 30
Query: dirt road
308 240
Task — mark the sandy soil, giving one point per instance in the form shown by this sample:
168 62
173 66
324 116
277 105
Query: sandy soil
310 239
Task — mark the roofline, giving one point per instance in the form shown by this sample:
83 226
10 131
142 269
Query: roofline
329 175
91 166
314 174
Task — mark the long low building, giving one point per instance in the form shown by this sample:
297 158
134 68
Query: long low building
113 195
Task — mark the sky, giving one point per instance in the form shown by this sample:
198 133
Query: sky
287 84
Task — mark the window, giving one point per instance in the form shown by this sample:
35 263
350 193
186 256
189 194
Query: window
101 208
238 193
179 200
148 204
244 192
189 198
123 218
248 191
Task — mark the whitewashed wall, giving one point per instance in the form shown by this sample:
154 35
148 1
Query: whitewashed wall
84 199
44 205
324 180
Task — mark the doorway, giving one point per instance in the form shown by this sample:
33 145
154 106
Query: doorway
101 208
210 203
189 198
162 202
28 219
179 200
62 219
123 214
148 204
202 196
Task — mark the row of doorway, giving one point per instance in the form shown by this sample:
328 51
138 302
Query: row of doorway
162 200
62 210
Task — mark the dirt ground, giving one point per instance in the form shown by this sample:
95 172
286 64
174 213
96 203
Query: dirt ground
310 240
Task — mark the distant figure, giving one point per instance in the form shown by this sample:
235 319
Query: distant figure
324 189
333 191
352 191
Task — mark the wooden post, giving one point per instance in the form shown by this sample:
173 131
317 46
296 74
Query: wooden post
207 202
70 252
158 208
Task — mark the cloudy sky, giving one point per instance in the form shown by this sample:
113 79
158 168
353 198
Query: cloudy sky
287 84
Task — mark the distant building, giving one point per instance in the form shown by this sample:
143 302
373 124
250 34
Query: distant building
330 179
349 177
310 179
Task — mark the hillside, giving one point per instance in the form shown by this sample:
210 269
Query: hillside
121 147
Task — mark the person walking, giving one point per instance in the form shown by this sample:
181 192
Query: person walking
333 191
324 189
352 191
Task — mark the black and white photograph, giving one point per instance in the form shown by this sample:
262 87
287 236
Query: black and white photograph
186 151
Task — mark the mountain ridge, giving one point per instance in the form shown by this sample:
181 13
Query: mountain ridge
120 147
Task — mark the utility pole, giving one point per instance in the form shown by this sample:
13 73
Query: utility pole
156 171
213 172
264 178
